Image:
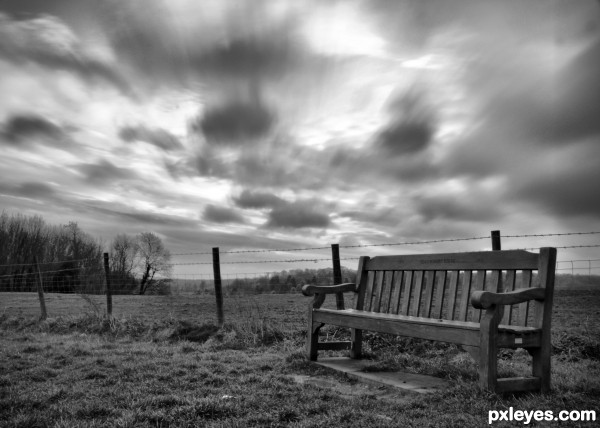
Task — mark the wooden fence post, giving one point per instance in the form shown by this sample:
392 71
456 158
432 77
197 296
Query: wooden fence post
40 290
496 246
337 274
218 288
108 287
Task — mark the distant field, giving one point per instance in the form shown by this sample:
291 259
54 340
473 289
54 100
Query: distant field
576 308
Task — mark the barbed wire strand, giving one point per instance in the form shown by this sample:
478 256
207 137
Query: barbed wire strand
50 263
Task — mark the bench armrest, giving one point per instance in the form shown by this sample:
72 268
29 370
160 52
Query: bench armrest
310 289
486 299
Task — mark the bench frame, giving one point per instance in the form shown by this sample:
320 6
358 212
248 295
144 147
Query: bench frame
481 339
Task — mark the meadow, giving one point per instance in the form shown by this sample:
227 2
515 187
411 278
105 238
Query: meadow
160 361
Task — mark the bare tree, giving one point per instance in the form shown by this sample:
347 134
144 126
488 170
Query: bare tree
124 259
154 259
123 254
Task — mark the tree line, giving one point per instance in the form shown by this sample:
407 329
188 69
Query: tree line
285 281
71 260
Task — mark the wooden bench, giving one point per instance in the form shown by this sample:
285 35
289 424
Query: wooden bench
427 296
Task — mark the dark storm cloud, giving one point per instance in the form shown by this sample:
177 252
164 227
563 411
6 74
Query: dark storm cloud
298 215
257 199
269 54
49 42
35 190
411 124
566 188
104 172
556 109
235 122
216 214
157 137
241 41
578 97
21 128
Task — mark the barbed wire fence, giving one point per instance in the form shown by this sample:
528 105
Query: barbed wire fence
218 273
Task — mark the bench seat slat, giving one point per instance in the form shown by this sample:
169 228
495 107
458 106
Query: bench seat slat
461 332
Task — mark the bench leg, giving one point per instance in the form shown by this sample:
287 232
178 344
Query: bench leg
356 343
488 351
541 366
312 340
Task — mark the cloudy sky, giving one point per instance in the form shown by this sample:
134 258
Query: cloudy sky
283 124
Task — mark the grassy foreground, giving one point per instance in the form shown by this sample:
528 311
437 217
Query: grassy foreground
84 370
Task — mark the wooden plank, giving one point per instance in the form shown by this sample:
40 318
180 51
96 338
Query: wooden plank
407 292
386 292
488 349
439 294
524 307
513 341
543 318
334 346
428 293
466 333
377 291
490 260
465 295
509 285
479 285
496 286
486 299
369 291
418 286
396 292
518 384
452 291
361 281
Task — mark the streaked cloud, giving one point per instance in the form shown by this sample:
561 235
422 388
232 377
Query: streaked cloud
261 123
158 137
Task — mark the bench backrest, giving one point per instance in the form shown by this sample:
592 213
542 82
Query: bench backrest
440 285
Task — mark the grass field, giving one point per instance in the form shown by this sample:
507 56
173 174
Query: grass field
160 362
